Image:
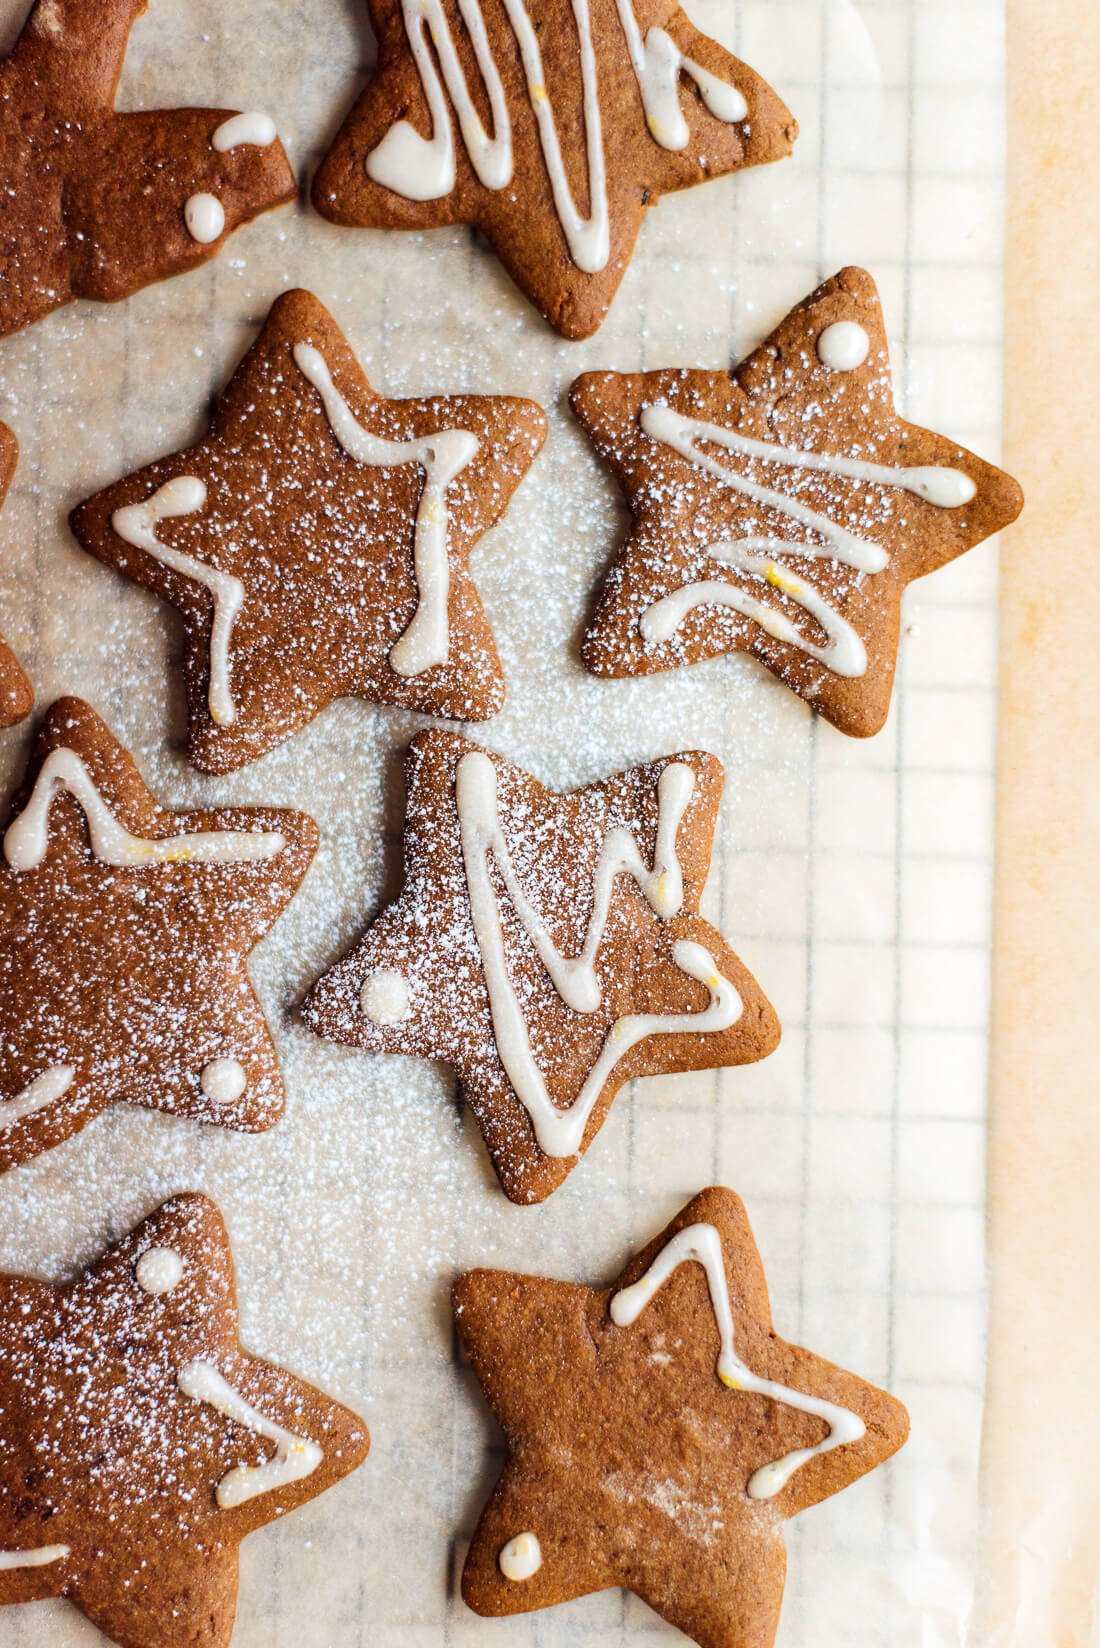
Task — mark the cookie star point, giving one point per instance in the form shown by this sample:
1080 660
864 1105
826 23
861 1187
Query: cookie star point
631 1461
316 541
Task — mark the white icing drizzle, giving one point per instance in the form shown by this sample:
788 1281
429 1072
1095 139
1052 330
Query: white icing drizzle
222 1081
421 168
559 1132
137 525
204 216
295 1457
521 1558
44 1090
39 1557
27 837
843 346
158 1271
704 1244
658 64
252 127
384 997
442 456
844 652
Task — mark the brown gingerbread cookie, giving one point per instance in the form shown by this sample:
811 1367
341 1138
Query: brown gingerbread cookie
549 948
124 935
97 204
553 125
16 693
142 1443
659 1433
316 541
781 509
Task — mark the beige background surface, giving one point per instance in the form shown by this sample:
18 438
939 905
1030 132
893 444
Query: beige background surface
853 878
1043 1422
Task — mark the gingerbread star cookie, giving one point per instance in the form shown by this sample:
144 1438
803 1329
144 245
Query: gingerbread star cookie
16 695
549 948
142 1443
97 204
316 541
781 509
553 125
124 935
659 1433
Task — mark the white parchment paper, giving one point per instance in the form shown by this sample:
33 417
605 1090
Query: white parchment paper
854 879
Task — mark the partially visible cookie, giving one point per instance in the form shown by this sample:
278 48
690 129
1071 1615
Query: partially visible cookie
124 937
142 1443
96 204
549 947
659 1433
16 693
553 125
316 541
781 509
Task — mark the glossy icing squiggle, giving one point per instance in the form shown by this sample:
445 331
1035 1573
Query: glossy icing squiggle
443 456
658 64
560 1132
843 652
44 1090
26 839
295 1457
39 1557
136 524
703 1244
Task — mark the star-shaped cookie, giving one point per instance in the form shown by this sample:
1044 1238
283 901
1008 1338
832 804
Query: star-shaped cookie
659 1433
124 936
16 696
142 1443
316 540
97 204
553 125
781 509
549 948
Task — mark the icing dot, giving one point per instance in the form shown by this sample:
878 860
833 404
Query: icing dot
204 216
223 1080
159 1270
521 1558
252 127
384 997
843 346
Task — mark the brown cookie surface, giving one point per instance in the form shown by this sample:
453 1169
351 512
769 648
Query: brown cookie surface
659 1433
16 693
548 947
98 204
142 1443
781 509
124 935
316 541
573 118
